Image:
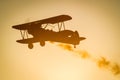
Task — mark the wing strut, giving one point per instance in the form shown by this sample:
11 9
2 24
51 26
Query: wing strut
63 25
46 25
24 34
60 25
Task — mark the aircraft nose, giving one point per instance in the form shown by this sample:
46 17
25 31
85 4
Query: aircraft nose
82 38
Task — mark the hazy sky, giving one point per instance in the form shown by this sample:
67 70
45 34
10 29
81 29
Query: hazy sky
97 20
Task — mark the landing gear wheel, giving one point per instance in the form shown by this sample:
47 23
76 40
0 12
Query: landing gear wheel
74 46
30 45
42 43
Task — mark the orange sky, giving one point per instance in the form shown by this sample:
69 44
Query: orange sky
98 21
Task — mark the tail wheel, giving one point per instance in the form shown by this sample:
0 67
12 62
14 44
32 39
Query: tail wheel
42 43
30 45
74 46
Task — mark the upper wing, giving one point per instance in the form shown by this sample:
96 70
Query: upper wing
51 20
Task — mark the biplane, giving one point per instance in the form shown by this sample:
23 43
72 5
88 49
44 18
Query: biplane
41 34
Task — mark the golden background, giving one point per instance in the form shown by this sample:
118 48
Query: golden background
97 20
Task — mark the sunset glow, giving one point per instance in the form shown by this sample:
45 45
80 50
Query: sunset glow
95 58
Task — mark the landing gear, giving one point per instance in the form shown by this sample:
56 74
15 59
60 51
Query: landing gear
42 43
30 45
74 46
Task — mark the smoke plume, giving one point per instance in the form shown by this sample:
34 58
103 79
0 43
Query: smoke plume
101 62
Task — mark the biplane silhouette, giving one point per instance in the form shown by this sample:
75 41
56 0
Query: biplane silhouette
41 34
